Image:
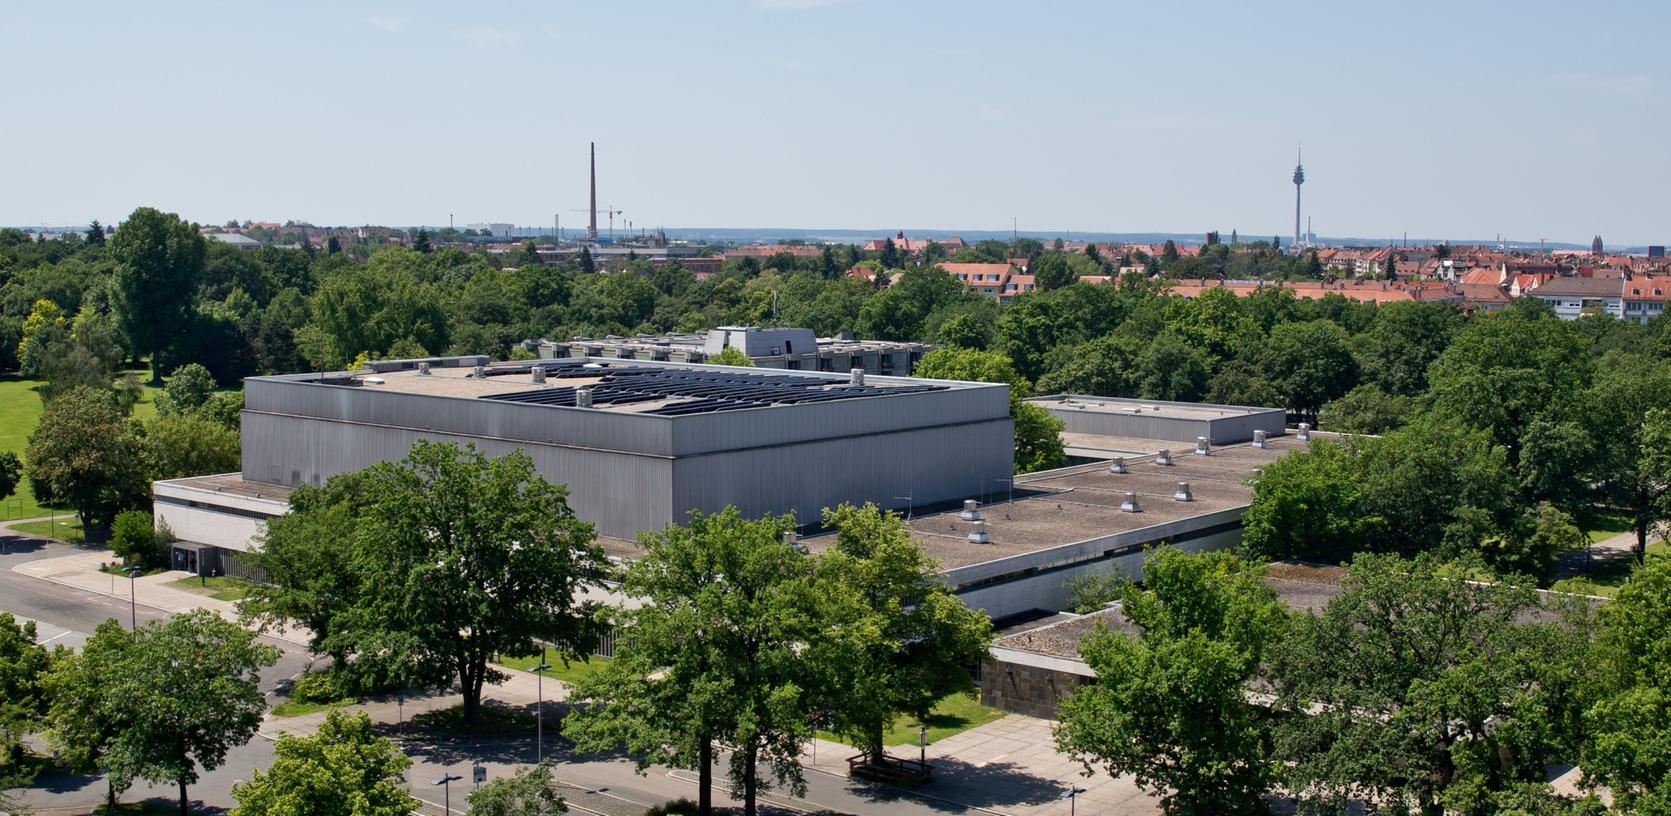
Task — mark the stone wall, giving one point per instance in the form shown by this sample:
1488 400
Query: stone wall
1028 690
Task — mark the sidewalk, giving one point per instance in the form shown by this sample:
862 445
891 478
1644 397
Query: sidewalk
81 571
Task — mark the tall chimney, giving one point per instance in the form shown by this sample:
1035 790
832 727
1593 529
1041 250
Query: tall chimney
592 226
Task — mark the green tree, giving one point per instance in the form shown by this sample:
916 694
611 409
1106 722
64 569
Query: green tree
1305 506
159 260
1051 271
715 655
1310 363
1108 366
84 453
731 356
587 265
188 389
343 769
1090 592
178 697
528 792
1628 745
1632 431
81 724
1403 341
23 696
95 233
134 539
890 255
175 446
420 242
1365 410
1173 369
1169 251
308 576
1418 689
11 473
896 639
459 559
1169 705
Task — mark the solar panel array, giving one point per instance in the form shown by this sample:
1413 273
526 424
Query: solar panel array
698 392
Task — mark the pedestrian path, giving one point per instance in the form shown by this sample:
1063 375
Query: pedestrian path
82 571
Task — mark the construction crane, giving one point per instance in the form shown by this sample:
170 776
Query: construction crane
609 211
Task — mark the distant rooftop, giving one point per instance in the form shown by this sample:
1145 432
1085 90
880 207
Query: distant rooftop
1137 407
622 386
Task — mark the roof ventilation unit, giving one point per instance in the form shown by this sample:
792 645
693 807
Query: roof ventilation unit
1117 465
856 377
1259 439
479 372
979 535
971 510
583 398
539 374
1305 432
1129 505
423 368
1183 493
1164 457
793 539
1201 446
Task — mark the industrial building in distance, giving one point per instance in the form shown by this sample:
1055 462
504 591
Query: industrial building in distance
789 349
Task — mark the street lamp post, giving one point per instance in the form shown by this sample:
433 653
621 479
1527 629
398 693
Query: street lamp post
447 791
539 708
133 603
922 745
1071 794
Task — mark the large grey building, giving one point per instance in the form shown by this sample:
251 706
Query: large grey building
639 444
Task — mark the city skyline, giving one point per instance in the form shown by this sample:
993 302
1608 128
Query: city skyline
847 115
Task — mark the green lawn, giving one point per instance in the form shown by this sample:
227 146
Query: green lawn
64 528
1606 577
291 708
1601 525
20 411
953 715
219 587
494 720
571 673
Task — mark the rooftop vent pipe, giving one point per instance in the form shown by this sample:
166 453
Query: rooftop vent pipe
1117 465
856 376
978 535
971 510
1201 446
539 374
1305 432
479 372
1164 457
1183 493
423 368
1129 505
1259 439
793 539
583 398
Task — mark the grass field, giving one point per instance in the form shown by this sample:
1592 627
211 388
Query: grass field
63 528
291 708
571 673
219 587
20 411
954 714
1601 525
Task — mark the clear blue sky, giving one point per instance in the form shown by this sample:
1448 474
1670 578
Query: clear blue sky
1449 119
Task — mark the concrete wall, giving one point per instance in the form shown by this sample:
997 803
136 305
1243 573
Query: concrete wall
209 517
1034 688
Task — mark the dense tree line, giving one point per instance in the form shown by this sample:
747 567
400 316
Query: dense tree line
1411 691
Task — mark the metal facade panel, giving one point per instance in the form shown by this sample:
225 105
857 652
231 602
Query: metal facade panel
839 419
929 465
621 493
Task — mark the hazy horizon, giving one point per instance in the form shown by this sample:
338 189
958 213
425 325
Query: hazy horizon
1434 119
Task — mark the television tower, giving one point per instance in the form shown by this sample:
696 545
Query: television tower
1299 179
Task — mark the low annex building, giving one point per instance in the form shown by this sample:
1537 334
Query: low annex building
786 348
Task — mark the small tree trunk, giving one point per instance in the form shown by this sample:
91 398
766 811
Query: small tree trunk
873 744
1641 538
750 782
110 792
184 810
705 777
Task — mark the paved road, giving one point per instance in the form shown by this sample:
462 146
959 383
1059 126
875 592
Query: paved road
66 614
